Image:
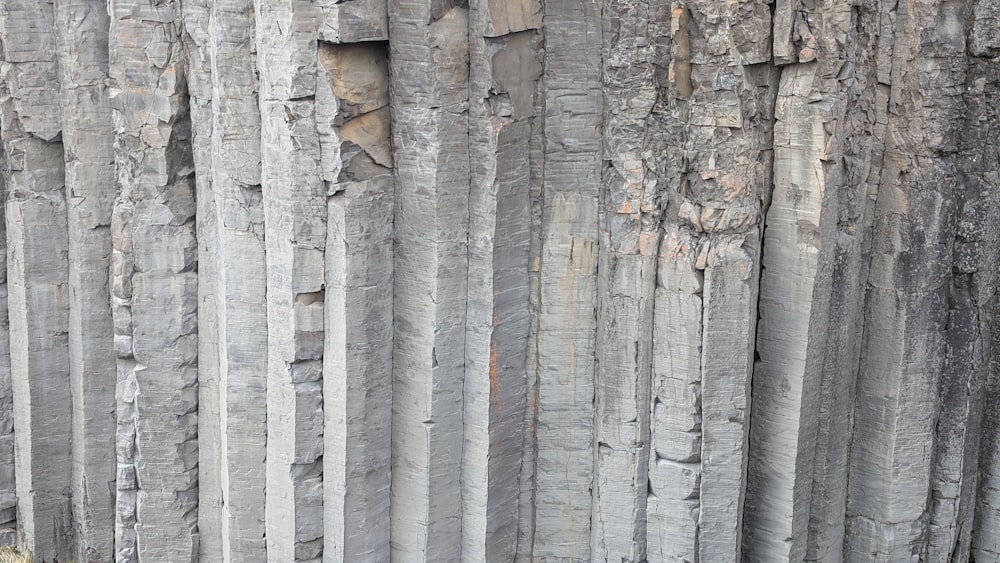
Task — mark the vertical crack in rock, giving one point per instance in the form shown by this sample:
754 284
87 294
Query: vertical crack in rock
630 231
37 275
88 142
154 286
8 492
567 311
898 405
295 217
536 181
503 87
352 106
429 73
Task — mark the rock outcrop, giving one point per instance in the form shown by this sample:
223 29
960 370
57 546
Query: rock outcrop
500 280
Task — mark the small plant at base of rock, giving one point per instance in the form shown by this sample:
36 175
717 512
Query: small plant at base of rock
10 554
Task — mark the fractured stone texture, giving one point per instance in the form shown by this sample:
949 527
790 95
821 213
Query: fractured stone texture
542 281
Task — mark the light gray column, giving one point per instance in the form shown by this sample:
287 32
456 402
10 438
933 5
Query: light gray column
353 119
428 73
505 68
154 292
241 283
88 141
295 231
37 275
564 463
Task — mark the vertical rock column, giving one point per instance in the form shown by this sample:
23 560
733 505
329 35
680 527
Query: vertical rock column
295 212
38 275
629 240
568 281
673 502
965 466
675 437
907 304
352 107
8 493
852 163
505 68
968 339
722 103
197 19
795 293
88 141
725 186
154 287
984 76
240 281
429 70
536 181
791 331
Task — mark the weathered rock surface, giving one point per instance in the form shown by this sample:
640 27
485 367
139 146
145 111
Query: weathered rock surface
540 281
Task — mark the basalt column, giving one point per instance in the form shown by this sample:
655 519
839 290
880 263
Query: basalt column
353 120
295 231
154 287
428 77
88 142
907 304
37 275
505 69
566 330
240 293
197 15
721 104
977 244
629 239
796 302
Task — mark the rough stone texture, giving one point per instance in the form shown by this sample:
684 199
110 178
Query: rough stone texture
566 333
903 359
981 168
500 280
88 142
629 237
295 216
196 16
673 502
719 101
428 78
154 287
353 122
504 77
37 275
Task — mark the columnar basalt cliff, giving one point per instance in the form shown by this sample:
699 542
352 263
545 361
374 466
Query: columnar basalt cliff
541 281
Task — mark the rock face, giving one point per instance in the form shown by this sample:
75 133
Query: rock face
500 280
